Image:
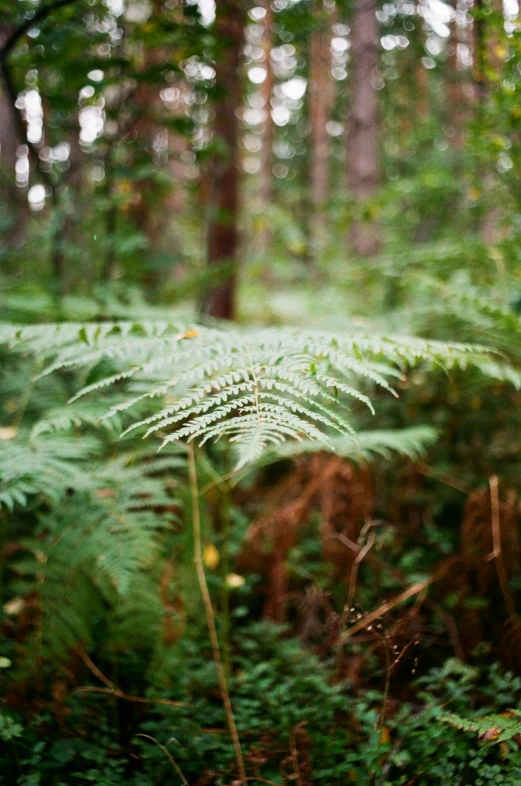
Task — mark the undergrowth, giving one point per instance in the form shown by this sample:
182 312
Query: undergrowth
332 560
294 722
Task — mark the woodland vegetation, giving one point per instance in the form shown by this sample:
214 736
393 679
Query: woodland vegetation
260 373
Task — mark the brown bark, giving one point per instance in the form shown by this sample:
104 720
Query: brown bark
223 234
9 140
9 136
363 141
10 40
145 208
455 95
487 69
153 205
422 90
321 99
266 173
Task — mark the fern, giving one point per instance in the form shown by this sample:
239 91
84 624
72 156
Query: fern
43 466
409 442
256 387
59 419
80 414
100 546
475 313
489 728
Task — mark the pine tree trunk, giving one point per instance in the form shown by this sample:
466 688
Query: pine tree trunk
321 99
9 141
487 69
456 99
363 141
266 172
147 206
153 206
223 233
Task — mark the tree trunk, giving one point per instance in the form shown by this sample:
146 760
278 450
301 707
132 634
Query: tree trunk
457 100
363 142
153 205
9 141
321 99
146 207
223 235
488 63
266 173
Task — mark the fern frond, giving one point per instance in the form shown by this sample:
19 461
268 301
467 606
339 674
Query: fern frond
366 447
489 728
73 416
255 387
43 466
476 314
100 544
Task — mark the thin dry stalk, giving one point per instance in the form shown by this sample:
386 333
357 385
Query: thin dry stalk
497 554
137 699
294 760
444 477
113 690
410 592
210 616
353 577
168 755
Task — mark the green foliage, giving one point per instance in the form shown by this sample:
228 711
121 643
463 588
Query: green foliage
99 616
102 542
256 387
9 730
490 727
285 706
368 445
89 516
44 466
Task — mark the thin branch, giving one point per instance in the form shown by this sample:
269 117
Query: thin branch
118 694
112 690
400 577
444 477
20 31
12 93
10 88
410 592
168 755
294 759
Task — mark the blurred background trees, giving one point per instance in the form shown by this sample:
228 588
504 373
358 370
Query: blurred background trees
184 148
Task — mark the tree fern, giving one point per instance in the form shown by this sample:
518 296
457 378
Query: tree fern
255 387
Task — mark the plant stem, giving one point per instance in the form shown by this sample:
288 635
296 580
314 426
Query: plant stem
225 566
210 616
4 533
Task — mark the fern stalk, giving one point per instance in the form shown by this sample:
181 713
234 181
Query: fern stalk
210 616
3 548
225 514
